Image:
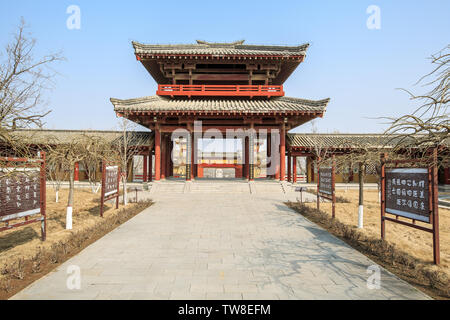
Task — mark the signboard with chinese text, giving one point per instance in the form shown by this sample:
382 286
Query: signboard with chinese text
325 183
407 193
112 175
110 185
20 193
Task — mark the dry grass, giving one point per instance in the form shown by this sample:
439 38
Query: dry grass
406 251
24 257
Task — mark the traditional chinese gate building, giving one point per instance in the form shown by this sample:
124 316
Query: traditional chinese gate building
225 86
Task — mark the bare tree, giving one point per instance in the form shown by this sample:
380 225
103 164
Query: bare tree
365 155
56 173
23 81
96 150
67 155
362 155
321 148
429 125
128 145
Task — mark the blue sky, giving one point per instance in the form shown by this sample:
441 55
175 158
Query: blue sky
358 68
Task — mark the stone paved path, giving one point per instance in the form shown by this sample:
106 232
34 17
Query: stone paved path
219 246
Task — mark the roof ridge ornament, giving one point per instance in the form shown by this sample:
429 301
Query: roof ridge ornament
239 42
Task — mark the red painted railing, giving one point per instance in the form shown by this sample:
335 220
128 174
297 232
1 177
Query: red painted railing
219 90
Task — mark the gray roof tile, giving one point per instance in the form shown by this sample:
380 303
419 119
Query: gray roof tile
220 49
43 136
277 104
339 140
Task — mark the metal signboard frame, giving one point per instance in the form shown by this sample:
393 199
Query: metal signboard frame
109 192
23 193
412 197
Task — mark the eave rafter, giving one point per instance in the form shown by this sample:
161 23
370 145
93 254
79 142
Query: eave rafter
143 56
166 113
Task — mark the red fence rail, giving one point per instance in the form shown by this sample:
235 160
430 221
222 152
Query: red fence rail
220 90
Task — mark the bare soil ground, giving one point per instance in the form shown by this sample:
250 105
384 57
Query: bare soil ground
406 245
25 258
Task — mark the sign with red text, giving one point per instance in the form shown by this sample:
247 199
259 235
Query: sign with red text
111 178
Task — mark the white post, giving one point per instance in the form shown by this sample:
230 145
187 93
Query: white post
360 217
57 196
69 218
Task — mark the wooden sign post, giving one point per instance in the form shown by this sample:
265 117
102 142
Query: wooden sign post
23 192
326 185
110 185
411 193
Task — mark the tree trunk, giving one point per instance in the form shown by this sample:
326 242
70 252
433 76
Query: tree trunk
125 162
361 196
70 200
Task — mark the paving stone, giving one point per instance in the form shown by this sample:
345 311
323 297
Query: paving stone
187 296
260 296
223 296
221 246
208 287
247 288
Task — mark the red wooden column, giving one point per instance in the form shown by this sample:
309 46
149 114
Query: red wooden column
192 155
169 158
168 140
243 157
246 166
196 157
275 158
76 173
188 157
164 160
157 154
289 167
251 152
283 152
144 177
150 166
163 156
269 151
294 171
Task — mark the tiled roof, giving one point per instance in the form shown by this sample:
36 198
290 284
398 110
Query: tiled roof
277 104
309 141
220 49
339 140
41 136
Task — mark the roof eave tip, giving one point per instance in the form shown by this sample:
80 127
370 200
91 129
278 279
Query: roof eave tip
135 44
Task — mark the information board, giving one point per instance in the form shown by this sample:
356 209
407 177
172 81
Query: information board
407 193
23 193
20 193
411 193
325 181
112 175
110 185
